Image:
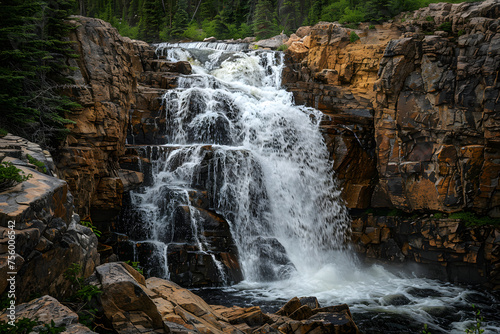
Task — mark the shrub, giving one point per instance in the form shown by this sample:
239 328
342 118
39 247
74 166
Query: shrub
429 19
371 27
445 26
282 47
10 175
353 37
3 132
89 224
471 219
40 166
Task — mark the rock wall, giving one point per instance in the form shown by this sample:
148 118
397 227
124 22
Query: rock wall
105 85
448 248
412 111
46 237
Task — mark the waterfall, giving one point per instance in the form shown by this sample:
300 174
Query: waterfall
233 132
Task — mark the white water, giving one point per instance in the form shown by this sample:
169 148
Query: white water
269 176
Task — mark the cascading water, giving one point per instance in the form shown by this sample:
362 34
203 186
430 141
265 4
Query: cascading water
233 133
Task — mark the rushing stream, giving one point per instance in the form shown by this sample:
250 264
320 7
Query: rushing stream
270 178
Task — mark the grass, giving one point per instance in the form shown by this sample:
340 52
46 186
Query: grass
471 219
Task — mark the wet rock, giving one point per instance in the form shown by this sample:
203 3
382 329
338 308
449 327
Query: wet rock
396 300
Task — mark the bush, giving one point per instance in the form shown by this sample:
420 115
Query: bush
40 166
10 175
446 26
472 219
371 27
282 47
353 37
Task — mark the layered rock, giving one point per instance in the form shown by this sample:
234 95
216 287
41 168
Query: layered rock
326 71
105 83
133 304
409 104
119 85
436 122
47 239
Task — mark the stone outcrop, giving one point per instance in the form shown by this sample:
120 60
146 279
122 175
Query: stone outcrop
448 248
48 239
411 110
436 122
105 83
133 304
46 310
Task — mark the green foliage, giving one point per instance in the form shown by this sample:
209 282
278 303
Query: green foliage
33 54
445 26
460 32
72 273
3 132
353 37
40 166
426 330
282 47
84 295
472 219
371 27
193 32
25 326
476 328
429 19
89 224
438 215
10 175
352 15
264 24
136 266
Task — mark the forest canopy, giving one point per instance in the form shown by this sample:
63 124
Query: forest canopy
162 20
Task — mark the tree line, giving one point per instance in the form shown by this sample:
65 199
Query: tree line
33 68
162 20
34 50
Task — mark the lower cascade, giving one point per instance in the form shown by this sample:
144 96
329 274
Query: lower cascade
242 192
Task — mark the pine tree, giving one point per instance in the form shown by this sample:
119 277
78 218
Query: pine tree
264 20
32 63
181 19
151 20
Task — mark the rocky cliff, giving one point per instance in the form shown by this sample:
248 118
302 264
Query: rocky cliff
412 106
40 237
105 85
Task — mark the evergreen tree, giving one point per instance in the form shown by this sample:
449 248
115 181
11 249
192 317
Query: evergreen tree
32 56
289 14
181 19
151 20
264 25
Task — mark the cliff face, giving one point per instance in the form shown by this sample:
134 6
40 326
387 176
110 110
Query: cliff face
410 104
105 86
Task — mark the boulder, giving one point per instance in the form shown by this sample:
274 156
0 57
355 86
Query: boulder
46 310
